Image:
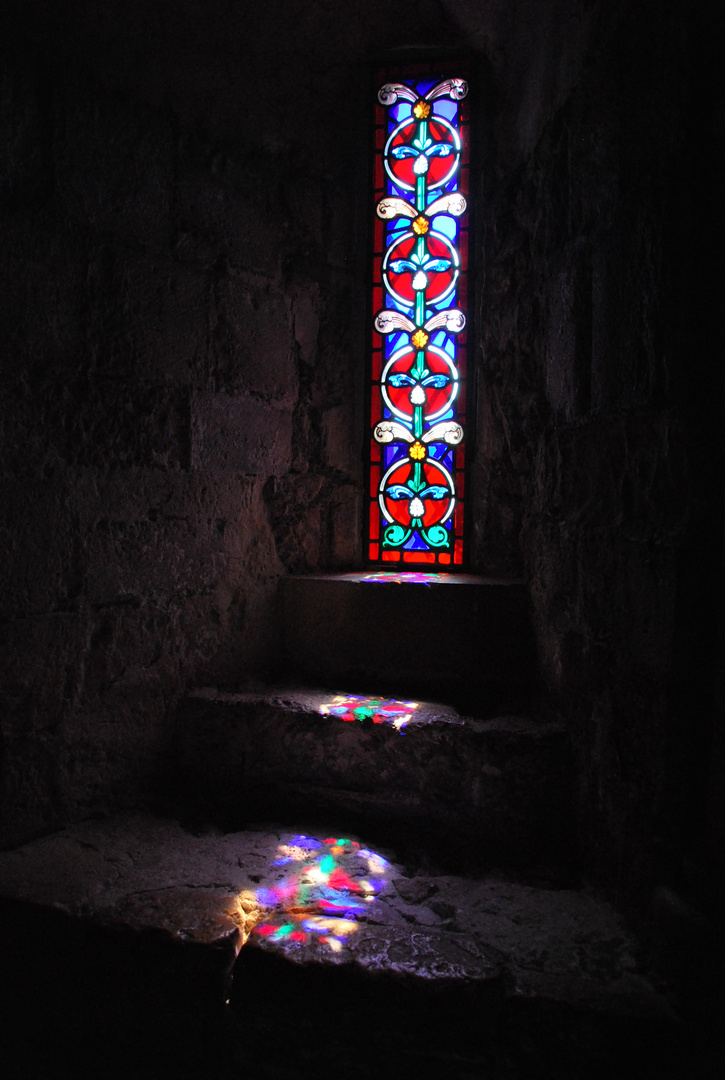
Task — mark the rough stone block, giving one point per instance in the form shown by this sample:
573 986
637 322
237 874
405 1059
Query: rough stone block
114 167
253 340
233 214
458 634
240 435
147 316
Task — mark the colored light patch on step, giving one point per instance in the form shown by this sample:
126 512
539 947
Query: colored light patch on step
325 888
350 707
414 577
293 852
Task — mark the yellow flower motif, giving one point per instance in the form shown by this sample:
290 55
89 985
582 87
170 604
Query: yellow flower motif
421 110
421 225
420 339
417 451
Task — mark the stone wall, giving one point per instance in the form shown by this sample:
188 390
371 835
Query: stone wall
600 412
179 309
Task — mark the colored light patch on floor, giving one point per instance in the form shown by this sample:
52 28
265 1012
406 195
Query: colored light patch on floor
351 707
412 578
326 886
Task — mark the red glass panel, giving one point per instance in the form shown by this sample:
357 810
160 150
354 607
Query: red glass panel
374 523
419 557
444 559
458 552
378 230
374 481
463 248
391 556
373 553
459 519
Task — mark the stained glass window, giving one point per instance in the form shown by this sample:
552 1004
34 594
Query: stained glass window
418 358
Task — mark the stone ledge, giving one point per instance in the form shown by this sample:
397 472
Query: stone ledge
504 783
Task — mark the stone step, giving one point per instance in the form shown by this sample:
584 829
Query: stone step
420 775
348 960
447 636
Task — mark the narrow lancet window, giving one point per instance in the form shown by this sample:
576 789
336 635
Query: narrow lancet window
418 368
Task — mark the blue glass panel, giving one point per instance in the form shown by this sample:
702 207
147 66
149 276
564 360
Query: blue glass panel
444 223
442 305
394 452
401 193
446 108
415 543
402 111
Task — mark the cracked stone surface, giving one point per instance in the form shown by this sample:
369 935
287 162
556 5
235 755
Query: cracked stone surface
376 914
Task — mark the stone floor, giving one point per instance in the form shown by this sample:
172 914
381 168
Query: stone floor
273 952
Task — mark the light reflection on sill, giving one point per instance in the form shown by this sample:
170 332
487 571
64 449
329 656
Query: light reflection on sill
410 577
351 707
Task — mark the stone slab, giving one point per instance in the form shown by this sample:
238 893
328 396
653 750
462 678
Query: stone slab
153 874
498 787
442 635
326 925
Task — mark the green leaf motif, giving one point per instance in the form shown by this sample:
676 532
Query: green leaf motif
395 535
437 536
